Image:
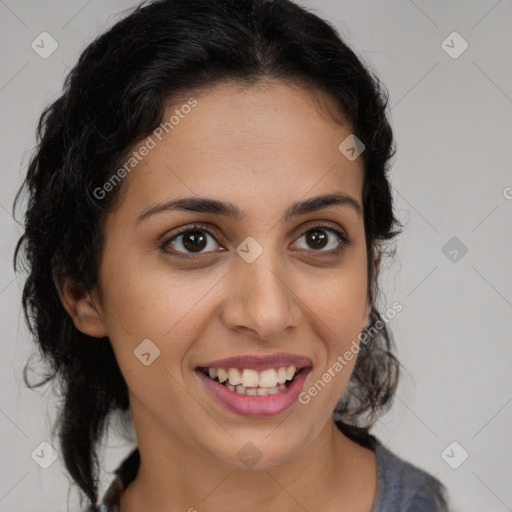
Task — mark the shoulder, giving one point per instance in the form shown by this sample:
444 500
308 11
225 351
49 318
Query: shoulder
405 487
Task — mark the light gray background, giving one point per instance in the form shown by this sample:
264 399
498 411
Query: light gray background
452 121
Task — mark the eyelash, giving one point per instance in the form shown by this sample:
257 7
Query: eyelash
345 241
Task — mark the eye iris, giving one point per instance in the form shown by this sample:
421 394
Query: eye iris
317 237
194 240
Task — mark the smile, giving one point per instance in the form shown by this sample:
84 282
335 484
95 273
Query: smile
255 385
247 381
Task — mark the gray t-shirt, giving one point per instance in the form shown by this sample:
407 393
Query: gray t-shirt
402 487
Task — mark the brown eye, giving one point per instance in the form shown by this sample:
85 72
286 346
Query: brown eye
318 239
194 241
189 240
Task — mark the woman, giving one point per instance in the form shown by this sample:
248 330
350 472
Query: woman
209 205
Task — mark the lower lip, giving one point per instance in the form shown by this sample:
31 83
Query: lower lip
248 405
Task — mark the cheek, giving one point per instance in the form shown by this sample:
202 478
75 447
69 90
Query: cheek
338 309
339 304
168 311
167 308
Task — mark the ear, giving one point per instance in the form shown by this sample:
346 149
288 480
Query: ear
81 308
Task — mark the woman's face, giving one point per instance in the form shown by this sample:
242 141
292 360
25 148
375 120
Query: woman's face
262 283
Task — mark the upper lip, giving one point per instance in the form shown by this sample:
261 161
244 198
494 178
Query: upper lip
259 361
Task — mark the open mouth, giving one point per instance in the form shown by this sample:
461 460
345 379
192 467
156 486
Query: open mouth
250 382
256 388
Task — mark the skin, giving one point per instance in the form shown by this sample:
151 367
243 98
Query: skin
261 148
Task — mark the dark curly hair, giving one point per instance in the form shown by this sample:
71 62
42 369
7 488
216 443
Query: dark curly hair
113 98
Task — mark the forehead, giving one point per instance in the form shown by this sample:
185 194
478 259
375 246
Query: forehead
248 145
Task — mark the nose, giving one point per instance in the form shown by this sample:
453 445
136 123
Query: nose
261 298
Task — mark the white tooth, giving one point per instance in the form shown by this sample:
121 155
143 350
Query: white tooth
229 386
262 391
250 378
281 375
273 391
290 371
251 391
212 372
235 377
222 374
240 389
268 378
282 387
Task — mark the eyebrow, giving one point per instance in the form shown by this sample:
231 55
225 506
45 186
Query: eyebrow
227 209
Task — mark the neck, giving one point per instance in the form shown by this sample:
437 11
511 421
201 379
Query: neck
341 472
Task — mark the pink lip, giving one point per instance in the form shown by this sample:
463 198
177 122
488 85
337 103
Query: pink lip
246 405
259 362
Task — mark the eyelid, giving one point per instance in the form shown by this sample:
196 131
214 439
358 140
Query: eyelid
345 239
212 231
329 225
